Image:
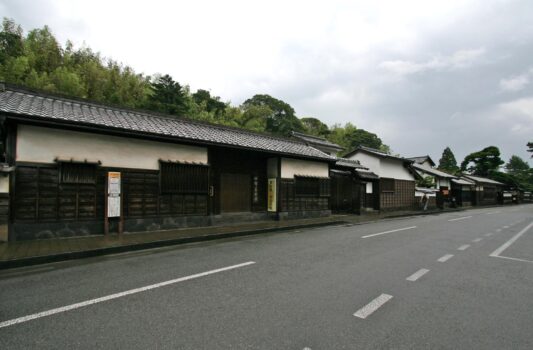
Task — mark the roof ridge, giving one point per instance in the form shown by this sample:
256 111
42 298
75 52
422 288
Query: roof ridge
142 112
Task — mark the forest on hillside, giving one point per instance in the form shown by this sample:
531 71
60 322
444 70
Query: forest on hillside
37 60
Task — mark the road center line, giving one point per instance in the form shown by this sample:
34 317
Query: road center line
391 231
488 234
417 275
375 304
506 245
117 295
506 227
464 247
461 218
445 258
492 212
477 240
499 230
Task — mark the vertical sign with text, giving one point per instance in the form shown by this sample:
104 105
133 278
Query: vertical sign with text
113 194
272 197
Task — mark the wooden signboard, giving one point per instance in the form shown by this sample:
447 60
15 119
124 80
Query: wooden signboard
113 200
272 195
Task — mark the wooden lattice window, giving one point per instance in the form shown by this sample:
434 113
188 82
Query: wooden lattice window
78 173
184 178
387 185
306 186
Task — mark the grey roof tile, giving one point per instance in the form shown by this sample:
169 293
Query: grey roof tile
41 106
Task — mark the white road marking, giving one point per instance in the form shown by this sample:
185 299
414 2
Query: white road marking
505 227
445 258
515 259
391 231
499 230
488 234
461 218
117 295
506 245
492 212
477 240
464 247
417 275
375 304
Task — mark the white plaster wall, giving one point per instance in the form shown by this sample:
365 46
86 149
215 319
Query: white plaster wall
43 145
369 187
395 169
444 183
366 160
291 167
4 183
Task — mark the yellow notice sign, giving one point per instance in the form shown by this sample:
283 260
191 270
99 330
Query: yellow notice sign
272 195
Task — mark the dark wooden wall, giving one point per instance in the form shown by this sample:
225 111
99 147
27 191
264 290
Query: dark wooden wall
39 196
291 201
401 198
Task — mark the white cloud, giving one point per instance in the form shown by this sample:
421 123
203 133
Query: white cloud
516 83
457 60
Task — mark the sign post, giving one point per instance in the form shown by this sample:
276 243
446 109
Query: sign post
272 195
113 200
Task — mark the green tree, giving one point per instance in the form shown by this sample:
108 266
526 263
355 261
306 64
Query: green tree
282 120
254 117
350 137
530 148
211 104
167 96
11 40
484 162
314 126
447 162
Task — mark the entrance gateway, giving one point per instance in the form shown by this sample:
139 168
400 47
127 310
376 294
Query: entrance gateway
235 193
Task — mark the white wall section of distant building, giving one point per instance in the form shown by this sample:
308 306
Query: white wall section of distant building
291 167
395 169
43 145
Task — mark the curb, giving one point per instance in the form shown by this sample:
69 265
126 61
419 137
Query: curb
44 259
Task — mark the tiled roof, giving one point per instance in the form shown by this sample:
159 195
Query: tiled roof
422 159
482 179
349 163
432 171
378 153
32 105
463 181
315 140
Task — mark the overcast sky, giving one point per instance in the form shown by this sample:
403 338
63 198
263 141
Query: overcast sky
422 75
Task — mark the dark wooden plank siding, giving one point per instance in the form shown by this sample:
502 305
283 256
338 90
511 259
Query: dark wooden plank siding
290 200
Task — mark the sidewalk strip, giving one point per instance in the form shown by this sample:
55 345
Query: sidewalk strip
464 247
506 245
417 275
461 218
445 258
117 295
391 231
372 306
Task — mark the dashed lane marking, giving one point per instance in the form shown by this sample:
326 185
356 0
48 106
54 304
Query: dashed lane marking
417 275
488 234
464 247
461 218
117 295
445 258
477 240
375 304
391 231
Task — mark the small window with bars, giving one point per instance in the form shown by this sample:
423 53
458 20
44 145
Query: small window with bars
184 178
387 185
77 173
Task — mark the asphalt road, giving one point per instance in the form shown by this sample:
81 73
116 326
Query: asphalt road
451 281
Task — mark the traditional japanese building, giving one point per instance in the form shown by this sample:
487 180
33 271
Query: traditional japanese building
396 186
425 167
71 166
486 191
